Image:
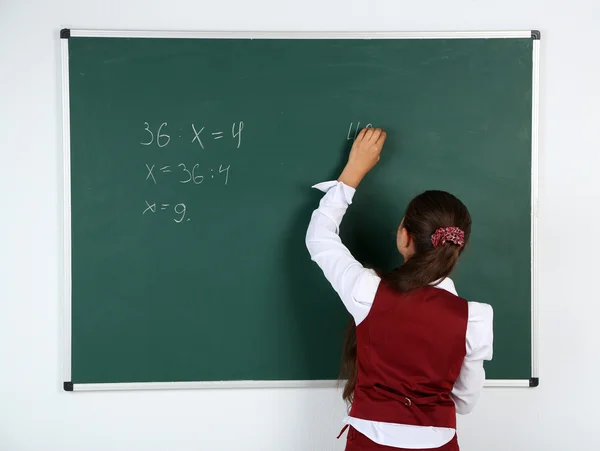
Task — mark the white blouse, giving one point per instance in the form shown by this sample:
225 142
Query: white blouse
357 287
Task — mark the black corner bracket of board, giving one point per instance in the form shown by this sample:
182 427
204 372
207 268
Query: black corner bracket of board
534 381
68 386
536 35
65 33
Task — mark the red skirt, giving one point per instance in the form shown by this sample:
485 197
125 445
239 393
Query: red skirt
359 442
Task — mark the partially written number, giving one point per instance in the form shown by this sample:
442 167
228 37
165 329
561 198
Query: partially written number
189 175
354 130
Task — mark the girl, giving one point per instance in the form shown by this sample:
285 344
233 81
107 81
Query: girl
414 357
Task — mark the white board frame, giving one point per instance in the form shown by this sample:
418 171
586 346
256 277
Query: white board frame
67 293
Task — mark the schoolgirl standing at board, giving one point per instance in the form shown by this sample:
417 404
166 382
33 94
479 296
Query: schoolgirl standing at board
414 357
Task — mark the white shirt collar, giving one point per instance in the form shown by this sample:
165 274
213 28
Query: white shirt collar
446 284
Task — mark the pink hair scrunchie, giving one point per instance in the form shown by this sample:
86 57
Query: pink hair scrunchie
448 234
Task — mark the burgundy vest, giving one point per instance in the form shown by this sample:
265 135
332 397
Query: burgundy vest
410 349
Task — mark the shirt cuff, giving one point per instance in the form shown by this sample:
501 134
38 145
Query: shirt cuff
346 191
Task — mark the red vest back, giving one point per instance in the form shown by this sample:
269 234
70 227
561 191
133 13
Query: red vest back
410 349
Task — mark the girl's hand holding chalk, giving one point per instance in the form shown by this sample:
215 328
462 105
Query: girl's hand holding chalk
363 156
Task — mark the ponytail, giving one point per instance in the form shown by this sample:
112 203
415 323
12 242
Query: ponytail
424 269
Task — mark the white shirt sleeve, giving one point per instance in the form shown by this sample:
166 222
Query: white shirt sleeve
355 284
479 347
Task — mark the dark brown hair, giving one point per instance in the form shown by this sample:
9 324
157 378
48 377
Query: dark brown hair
425 214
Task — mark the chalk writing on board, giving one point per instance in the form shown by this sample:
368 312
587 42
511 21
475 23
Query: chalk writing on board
197 135
151 173
179 209
197 179
353 130
149 208
188 173
226 171
161 138
236 134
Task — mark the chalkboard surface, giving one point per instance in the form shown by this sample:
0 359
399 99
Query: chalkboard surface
191 165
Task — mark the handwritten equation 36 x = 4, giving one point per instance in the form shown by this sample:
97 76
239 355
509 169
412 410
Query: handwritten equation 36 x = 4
162 139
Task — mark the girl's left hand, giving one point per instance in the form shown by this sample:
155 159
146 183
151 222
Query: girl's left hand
364 156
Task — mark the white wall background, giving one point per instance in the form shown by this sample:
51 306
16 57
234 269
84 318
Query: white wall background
36 415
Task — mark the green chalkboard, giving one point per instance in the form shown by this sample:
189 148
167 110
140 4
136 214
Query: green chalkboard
191 165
